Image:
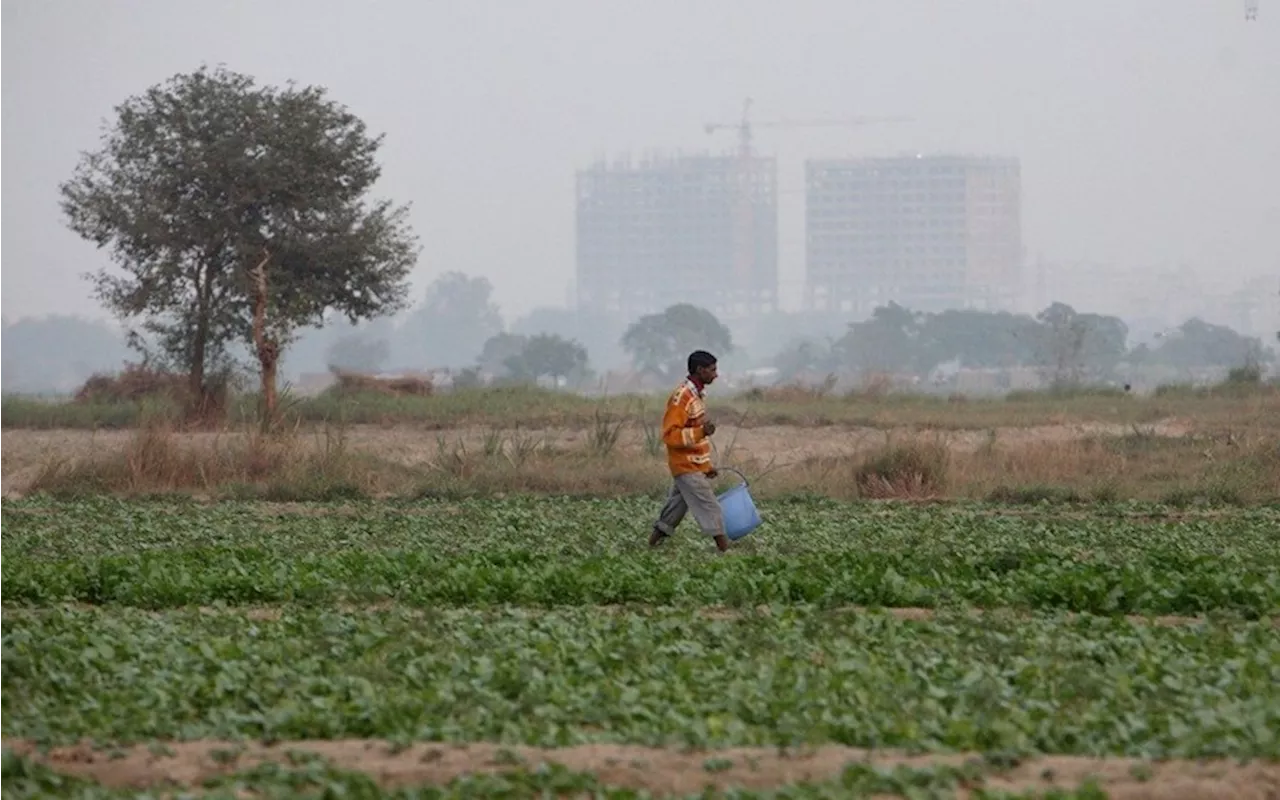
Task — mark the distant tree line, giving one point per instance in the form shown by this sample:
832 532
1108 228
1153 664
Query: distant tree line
241 227
1067 346
464 331
459 326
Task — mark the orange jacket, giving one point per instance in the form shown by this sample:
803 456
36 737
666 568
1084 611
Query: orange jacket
688 448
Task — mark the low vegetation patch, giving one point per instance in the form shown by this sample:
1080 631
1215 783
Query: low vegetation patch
1034 495
911 470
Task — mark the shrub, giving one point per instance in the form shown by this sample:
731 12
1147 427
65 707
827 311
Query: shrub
913 469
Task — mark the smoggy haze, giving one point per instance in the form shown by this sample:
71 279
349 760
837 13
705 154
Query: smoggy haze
1148 130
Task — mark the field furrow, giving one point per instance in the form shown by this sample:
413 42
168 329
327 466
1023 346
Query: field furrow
617 771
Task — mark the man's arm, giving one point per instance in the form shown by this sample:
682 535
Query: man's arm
675 431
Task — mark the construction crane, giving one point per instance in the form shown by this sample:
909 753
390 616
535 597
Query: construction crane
744 215
745 126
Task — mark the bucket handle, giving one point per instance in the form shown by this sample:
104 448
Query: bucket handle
737 472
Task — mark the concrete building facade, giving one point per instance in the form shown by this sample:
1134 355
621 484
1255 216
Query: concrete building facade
927 232
667 230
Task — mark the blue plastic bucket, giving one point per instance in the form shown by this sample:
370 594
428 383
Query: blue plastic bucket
739 510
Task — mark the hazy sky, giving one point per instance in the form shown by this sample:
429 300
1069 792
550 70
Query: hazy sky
1149 130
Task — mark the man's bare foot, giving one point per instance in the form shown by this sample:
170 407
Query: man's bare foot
656 537
722 543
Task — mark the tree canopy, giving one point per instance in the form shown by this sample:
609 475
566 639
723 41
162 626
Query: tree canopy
222 201
529 358
1067 345
358 352
661 342
547 355
455 319
1196 343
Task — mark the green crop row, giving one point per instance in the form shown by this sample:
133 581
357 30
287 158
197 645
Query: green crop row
1085 685
562 552
578 527
1163 583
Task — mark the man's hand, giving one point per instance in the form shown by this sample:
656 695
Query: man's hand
708 428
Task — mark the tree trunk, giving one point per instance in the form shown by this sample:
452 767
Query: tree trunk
195 379
197 393
268 350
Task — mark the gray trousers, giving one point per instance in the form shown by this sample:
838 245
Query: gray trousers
691 492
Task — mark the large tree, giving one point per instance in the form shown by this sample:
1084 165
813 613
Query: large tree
1198 344
548 355
979 339
454 321
358 352
660 343
238 214
498 350
891 340
1076 346
598 331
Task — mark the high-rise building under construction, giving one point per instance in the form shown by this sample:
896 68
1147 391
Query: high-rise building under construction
927 232
678 229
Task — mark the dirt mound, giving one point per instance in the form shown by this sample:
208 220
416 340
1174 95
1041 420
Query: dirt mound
400 386
661 771
135 383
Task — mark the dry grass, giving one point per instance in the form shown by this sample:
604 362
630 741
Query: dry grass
1235 469
791 392
915 470
156 459
615 456
1217 446
304 465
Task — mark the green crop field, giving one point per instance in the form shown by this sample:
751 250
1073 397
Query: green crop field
526 645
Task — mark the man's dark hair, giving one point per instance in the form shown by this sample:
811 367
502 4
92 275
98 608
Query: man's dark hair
699 359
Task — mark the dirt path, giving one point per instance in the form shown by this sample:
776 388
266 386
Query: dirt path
187 764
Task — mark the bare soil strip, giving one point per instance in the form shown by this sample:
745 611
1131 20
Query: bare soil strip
271 613
661 771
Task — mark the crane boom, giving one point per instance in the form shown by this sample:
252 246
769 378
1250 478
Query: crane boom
745 126
744 214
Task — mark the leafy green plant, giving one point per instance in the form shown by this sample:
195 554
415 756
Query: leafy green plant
1120 559
662 677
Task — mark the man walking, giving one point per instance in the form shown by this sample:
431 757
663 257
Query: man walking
685 429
